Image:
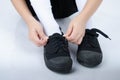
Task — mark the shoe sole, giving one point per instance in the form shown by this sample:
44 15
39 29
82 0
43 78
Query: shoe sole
86 65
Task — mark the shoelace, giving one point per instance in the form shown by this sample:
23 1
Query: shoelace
60 44
89 42
99 31
61 30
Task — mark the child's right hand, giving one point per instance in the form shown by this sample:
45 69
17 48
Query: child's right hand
36 33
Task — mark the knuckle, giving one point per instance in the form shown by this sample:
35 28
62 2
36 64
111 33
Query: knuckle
72 38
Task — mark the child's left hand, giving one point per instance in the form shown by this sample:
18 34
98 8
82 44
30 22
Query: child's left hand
76 30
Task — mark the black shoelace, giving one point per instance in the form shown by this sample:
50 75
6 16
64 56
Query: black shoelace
99 31
61 30
60 44
88 41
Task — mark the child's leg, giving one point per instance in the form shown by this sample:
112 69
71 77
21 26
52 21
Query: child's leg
43 10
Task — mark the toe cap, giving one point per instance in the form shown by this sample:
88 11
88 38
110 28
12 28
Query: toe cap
89 58
60 64
61 61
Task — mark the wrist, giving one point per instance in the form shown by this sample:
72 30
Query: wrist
30 21
83 17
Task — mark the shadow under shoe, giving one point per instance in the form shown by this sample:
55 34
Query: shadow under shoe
56 54
89 53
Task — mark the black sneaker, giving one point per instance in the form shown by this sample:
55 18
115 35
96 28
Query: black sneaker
56 54
89 52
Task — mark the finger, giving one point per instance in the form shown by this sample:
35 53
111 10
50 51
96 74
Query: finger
35 38
41 43
80 40
80 37
69 31
42 35
43 38
77 40
72 36
37 41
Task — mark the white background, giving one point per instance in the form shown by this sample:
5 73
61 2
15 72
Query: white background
20 59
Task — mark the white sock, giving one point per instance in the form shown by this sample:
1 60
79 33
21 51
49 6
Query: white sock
43 10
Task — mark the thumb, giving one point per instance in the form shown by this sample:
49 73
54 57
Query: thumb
43 36
69 31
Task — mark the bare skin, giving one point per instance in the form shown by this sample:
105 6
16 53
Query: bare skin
36 32
76 29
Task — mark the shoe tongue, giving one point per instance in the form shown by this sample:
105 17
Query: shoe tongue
55 35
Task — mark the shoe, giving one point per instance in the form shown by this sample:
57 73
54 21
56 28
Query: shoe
89 53
56 54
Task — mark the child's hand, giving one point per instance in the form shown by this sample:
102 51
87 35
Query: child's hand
36 34
76 30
